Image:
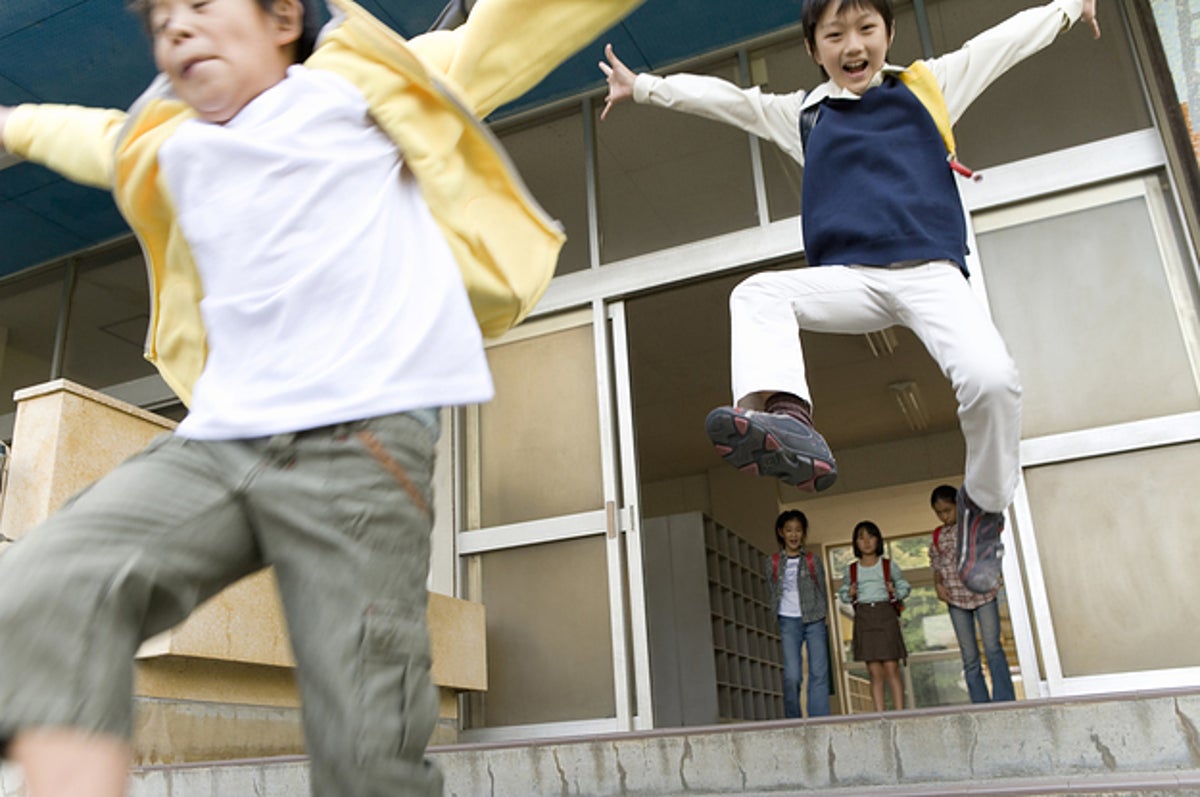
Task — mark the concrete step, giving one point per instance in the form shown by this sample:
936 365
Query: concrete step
1135 744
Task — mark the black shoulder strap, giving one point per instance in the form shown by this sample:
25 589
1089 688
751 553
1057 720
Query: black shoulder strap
808 120
454 14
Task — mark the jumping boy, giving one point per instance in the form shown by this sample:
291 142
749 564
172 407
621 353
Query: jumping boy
883 219
319 221
967 608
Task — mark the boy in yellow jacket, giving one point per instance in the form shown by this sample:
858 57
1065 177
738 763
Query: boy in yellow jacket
329 232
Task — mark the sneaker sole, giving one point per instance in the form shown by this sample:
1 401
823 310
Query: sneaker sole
981 566
752 449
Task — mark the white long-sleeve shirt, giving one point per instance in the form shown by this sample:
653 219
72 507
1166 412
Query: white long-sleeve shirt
962 76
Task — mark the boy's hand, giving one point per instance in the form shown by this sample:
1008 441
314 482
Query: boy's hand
1089 16
620 80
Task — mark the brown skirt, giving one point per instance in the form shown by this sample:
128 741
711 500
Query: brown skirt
877 634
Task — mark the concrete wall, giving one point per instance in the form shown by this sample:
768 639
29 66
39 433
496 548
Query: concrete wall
234 650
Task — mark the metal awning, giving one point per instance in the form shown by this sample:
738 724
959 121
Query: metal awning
94 52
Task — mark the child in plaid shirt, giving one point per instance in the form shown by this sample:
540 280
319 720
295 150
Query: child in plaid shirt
967 607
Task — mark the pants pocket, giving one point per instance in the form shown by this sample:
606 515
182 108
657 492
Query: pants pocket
397 700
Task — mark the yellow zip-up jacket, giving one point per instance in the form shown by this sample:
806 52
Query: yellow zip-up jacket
427 94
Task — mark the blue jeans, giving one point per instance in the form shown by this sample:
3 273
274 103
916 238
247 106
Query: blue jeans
988 616
794 633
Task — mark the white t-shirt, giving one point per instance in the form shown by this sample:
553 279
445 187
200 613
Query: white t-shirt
330 294
789 598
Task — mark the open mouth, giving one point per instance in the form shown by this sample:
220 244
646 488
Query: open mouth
854 68
190 65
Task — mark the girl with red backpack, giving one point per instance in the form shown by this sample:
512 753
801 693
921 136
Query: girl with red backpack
797 582
876 587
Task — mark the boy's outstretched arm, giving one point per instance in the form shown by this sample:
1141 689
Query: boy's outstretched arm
78 143
506 47
620 80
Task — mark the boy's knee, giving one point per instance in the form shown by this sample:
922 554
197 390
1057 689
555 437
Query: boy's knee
752 291
994 383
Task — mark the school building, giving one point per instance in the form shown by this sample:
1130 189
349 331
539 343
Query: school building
601 567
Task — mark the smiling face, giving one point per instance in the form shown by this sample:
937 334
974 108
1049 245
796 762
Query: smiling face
850 42
793 536
221 54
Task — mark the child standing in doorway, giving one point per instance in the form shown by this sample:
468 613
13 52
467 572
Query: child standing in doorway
329 228
883 220
798 600
876 587
967 608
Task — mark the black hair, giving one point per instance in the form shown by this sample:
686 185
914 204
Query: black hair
814 9
784 517
943 492
305 43
871 529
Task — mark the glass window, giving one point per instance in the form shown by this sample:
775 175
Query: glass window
1090 294
1120 564
549 639
667 178
780 69
107 329
551 159
29 311
539 439
1077 90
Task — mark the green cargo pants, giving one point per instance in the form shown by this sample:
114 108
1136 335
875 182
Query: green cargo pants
344 515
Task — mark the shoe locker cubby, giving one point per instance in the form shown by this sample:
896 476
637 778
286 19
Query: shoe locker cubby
714 647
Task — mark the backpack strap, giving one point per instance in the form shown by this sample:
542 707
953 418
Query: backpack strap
808 120
775 568
937 535
854 579
920 80
898 605
812 569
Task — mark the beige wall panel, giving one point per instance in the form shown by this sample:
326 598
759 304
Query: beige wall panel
1118 545
748 505
1103 301
540 437
549 640
676 496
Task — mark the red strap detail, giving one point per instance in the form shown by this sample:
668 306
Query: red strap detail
937 533
962 170
891 586
812 570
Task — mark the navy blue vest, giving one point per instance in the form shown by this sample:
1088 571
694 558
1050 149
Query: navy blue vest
877 188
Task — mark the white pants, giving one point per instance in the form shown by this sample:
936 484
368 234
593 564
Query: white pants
768 310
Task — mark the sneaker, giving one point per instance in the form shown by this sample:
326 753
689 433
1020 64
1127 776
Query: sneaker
772 444
979 548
